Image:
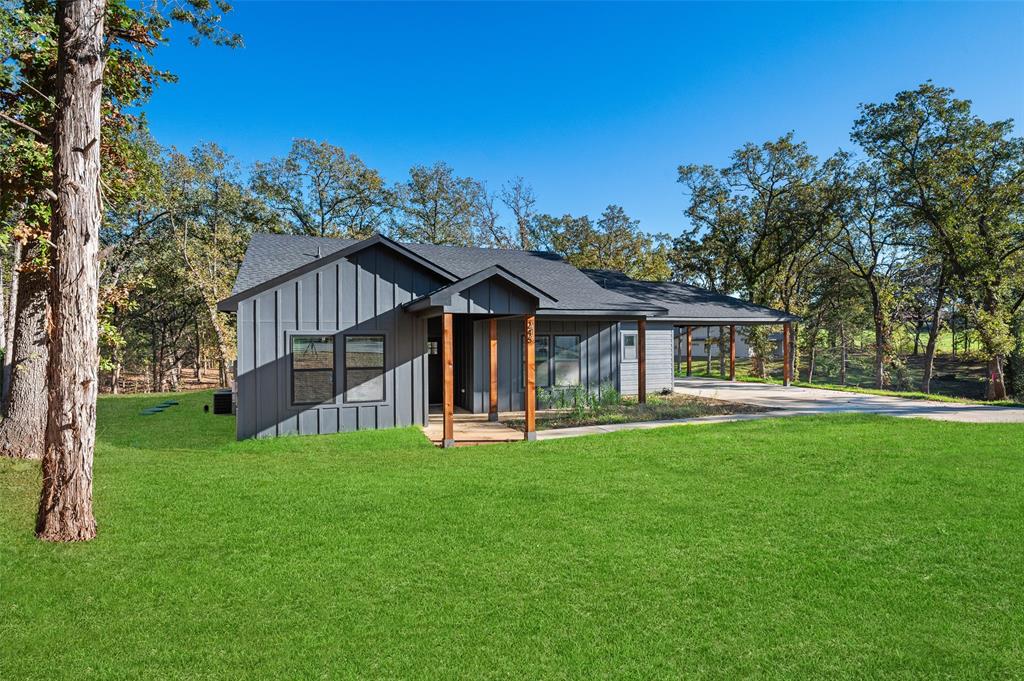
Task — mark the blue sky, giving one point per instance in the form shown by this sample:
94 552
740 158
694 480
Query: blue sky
592 103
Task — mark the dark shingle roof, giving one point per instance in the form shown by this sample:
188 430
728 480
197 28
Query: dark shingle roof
273 255
689 303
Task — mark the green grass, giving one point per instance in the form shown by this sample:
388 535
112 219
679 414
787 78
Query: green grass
825 547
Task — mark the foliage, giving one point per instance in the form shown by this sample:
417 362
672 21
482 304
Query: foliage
615 242
320 190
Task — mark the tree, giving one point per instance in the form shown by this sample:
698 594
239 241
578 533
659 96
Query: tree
615 242
212 217
767 215
964 179
438 207
518 197
320 190
24 421
65 507
873 246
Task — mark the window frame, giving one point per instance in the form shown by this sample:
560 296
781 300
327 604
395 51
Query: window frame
522 363
635 335
293 371
345 368
554 360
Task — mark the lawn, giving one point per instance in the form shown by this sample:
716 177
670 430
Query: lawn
819 547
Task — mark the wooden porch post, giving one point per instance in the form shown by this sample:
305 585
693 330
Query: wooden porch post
732 352
529 359
447 360
689 351
492 413
641 361
787 365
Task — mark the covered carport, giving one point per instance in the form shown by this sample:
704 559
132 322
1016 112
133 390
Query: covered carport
690 307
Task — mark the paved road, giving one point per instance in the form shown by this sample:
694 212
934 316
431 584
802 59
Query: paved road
795 401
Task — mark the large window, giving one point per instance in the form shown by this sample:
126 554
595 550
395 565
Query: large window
364 368
542 361
566 360
629 346
312 369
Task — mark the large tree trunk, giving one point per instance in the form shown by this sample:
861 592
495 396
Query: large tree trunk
65 506
10 324
24 423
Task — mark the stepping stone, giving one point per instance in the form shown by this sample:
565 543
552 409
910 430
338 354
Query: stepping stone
151 411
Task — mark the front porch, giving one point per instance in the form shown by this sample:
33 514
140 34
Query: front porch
471 429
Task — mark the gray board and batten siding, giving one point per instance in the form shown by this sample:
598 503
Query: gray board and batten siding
360 293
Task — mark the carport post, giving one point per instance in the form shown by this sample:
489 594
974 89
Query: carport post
787 364
732 352
689 351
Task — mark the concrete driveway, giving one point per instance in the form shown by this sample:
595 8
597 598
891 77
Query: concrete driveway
797 401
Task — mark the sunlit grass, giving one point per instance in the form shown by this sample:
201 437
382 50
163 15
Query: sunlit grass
813 547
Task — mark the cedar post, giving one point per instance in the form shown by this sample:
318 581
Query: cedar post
492 413
529 359
786 363
448 364
689 351
641 361
732 352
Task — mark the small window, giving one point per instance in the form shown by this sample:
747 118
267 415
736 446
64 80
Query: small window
541 360
432 347
364 368
312 369
629 346
567 360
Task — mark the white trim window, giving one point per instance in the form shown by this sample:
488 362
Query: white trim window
629 346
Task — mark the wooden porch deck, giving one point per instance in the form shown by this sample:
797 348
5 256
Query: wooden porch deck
473 429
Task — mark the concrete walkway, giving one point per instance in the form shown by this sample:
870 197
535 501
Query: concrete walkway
796 401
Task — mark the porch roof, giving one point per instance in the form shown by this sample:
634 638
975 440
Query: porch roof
690 304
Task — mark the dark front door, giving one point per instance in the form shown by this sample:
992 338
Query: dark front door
435 376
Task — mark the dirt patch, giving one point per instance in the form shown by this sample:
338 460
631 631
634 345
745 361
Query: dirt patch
658 408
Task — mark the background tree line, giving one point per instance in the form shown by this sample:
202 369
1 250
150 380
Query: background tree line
115 250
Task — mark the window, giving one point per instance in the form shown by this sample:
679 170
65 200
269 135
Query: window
629 346
312 369
432 347
567 360
364 368
541 359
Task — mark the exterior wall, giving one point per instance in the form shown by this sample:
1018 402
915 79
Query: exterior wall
599 357
362 293
659 359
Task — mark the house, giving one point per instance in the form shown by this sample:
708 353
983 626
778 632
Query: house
340 335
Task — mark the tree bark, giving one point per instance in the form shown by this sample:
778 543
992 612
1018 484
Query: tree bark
24 423
11 323
222 345
65 506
